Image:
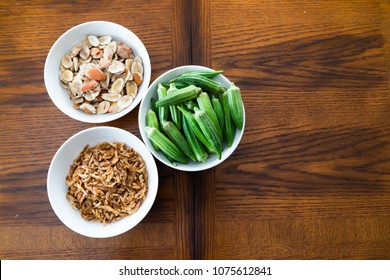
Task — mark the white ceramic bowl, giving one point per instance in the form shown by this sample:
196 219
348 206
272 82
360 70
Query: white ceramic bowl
69 39
146 104
59 167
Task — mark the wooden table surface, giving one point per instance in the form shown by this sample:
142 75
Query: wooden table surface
311 177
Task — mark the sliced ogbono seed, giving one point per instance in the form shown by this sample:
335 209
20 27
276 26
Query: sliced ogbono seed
103 107
113 97
137 67
88 108
96 74
85 52
67 76
117 86
137 78
123 50
93 40
89 96
104 40
104 63
125 101
129 62
131 88
66 61
89 85
108 53
75 64
113 108
116 67
138 59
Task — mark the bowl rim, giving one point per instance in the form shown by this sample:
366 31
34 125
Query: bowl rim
153 182
104 117
184 167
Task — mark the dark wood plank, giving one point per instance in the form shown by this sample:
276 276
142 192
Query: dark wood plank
34 129
203 183
311 177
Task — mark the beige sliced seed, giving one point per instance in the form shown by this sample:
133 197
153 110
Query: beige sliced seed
96 52
115 77
63 84
86 42
93 40
104 84
67 76
131 88
116 67
91 96
129 62
128 76
117 86
123 50
75 51
104 63
75 86
84 53
96 90
138 59
78 100
86 61
111 96
104 40
66 61
84 68
71 94
125 101
75 64
103 107
113 108
88 108
108 53
137 67
112 45
137 78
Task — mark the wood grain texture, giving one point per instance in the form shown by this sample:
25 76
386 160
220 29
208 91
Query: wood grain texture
311 177
32 129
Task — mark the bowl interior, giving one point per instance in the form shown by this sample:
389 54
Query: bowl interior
59 168
64 44
146 104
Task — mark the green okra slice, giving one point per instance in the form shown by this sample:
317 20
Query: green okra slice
175 113
209 131
165 145
178 139
163 112
204 103
236 105
193 141
208 85
229 129
196 129
152 121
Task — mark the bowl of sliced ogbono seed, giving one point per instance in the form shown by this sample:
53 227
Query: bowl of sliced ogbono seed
97 72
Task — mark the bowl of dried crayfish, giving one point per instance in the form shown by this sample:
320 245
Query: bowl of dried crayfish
102 182
97 72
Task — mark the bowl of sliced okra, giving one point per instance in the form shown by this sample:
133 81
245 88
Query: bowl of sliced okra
192 118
